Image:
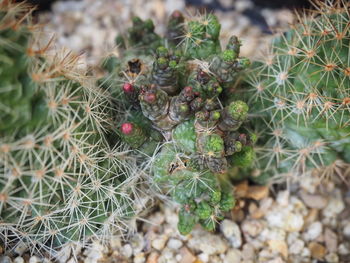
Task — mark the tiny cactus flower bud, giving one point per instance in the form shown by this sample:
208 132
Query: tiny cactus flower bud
215 115
127 128
184 108
128 88
150 98
188 90
218 90
176 14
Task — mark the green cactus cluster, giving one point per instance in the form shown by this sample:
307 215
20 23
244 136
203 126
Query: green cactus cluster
64 175
178 96
301 88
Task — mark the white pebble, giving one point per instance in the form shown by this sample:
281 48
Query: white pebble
34 259
283 198
174 244
233 256
296 247
232 232
5 259
252 227
313 231
346 229
18 260
159 243
334 207
139 258
203 257
127 250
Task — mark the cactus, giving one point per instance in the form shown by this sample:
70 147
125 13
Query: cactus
300 88
178 97
64 175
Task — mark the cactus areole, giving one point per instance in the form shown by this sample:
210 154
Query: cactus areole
178 95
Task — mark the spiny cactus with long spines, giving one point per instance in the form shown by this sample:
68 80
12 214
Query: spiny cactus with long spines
64 176
177 96
301 88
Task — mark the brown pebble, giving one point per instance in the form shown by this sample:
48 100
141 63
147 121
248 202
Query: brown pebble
187 256
313 201
317 250
311 217
257 192
252 208
241 189
257 214
153 258
279 246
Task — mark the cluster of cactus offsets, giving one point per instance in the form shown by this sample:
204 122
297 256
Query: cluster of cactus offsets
179 97
60 180
301 87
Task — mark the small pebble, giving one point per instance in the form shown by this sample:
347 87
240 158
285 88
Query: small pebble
18 260
257 192
203 257
248 252
5 259
186 255
332 258
174 244
331 240
313 231
334 207
233 256
283 198
346 230
296 247
160 242
232 232
127 251
317 250
252 227
279 246
313 200
139 258
34 259
153 258
137 243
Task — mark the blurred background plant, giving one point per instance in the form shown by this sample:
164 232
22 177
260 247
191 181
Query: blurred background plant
300 89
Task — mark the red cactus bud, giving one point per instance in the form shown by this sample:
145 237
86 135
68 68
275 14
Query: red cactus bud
128 88
150 97
176 14
197 93
127 128
188 90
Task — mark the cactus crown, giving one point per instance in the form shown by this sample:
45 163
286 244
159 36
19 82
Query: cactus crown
180 90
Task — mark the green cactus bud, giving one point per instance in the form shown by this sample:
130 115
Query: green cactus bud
229 56
238 110
204 210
